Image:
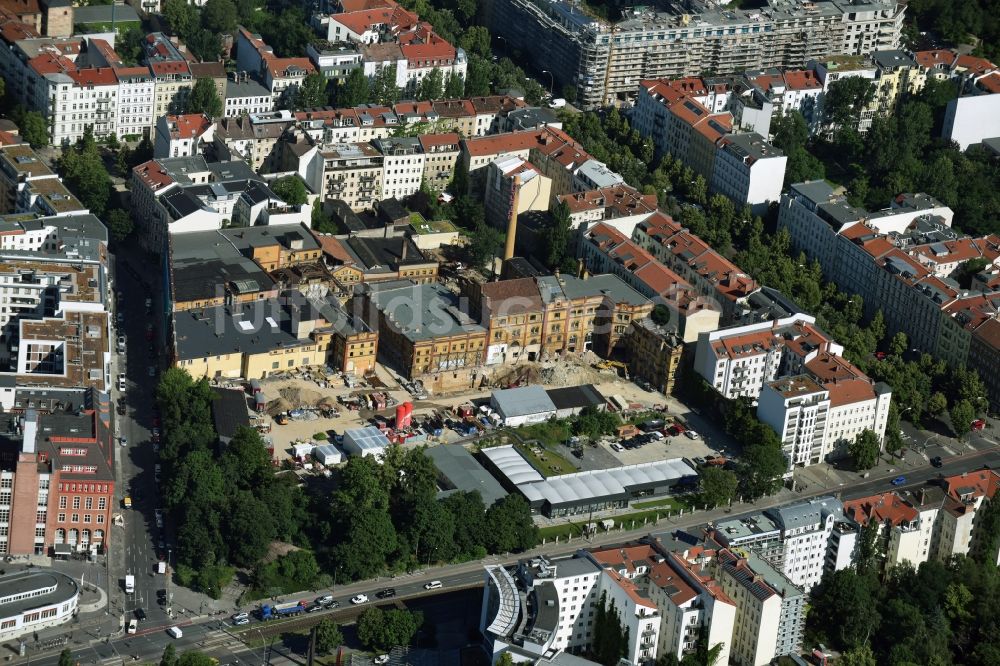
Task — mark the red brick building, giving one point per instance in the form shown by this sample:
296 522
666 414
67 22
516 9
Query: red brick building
57 485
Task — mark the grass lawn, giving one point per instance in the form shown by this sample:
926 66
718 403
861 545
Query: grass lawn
627 521
665 503
549 433
553 464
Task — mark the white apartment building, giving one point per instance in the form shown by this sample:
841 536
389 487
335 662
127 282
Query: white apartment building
403 166
739 360
244 96
805 533
73 99
639 615
900 524
353 173
797 409
688 599
767 604
749 170
182 135
136 97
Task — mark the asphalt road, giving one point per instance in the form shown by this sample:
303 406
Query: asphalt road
137 541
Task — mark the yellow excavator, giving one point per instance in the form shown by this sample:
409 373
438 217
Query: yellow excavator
613 365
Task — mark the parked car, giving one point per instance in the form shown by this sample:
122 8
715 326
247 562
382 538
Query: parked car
617 447
978 425
691 434
359 599
121 382
158 514
152 371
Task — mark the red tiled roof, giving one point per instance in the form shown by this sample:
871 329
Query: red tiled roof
801 79
153 175
882 508
630 589
94 76
973 65
990 84
9 139
170 67
935 58
360 5
279 66
436 140
334 249
14 31
359 22
981 483
188 126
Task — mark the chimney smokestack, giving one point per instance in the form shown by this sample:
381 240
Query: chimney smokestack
508 251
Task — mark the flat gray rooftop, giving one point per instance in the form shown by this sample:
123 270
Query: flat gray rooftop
25 582
460 472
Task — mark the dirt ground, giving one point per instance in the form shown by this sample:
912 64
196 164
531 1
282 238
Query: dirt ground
296 393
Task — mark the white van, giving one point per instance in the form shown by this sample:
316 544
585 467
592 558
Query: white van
433 585
175 632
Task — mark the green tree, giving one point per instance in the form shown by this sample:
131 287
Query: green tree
328 636
505 660
84 174
845 100
937 403
610 637
661 314
169 657
219 16
859 656
431 86
291 190
287 32
718 486
962 415
354 91
986 533
864 449
34 129
477 77
454 86
182 17
128 46
381 630
312 93
195 658
66 658
204 98
698 189
763 465
509 527
485 245
120 224
476 41
252 519
383 86
593 423
557 235
844 612
467 512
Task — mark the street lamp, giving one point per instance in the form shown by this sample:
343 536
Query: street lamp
552 80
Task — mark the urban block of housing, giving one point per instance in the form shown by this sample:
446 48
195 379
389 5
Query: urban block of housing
740 583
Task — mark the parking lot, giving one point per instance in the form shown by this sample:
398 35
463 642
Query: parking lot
668 447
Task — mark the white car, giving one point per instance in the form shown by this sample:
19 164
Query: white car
121 382
241 616
433 585
121 343
691 434
359 599
133 626
158 513
381 659
617 447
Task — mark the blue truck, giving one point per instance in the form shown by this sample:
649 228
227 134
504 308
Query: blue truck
287 609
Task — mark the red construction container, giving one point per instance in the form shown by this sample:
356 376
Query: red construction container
401 417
